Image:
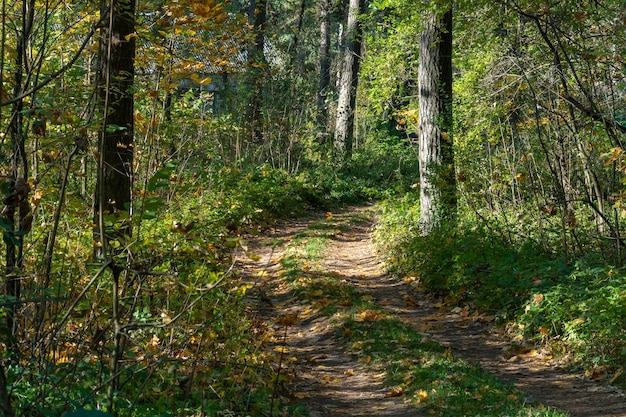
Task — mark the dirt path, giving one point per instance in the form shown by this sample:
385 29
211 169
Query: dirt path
332 383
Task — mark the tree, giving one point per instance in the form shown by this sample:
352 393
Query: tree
257 65
115 84
437 181
324 63
346 105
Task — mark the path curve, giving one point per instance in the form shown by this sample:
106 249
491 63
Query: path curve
331 383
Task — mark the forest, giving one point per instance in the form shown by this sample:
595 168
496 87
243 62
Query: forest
146 144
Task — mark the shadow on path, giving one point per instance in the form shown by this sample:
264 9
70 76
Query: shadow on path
333 383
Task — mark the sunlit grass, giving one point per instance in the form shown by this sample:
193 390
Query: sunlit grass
417 369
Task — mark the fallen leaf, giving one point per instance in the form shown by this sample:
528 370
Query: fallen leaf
409 301
349 372
302 395
368 315
596 374
421 396
288 319
395 392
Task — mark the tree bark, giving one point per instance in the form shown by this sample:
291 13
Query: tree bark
17 207
324 64
437 180
256 67
344 127
116 78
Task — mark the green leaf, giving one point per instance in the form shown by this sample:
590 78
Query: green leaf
10 239
161 177
5 224
114 128
87 413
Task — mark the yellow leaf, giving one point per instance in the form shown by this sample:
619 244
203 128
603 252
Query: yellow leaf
421 396
302 395
243 289
368 315
202 81
395 392
521 176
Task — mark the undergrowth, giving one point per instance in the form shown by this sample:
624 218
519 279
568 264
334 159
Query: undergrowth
575 309
188 344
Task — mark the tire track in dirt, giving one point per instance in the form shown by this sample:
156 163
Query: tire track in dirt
332 383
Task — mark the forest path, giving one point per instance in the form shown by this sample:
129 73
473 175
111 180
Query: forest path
331 381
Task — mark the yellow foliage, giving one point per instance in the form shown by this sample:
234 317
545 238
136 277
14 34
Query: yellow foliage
421 396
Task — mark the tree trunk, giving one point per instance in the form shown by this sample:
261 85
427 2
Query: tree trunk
297 58
449 195
16 213
344 128
113 185
437 180
256 67
324 65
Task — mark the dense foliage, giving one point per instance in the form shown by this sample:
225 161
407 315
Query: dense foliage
158 325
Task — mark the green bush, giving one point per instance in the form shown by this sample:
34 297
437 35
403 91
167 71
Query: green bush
576 308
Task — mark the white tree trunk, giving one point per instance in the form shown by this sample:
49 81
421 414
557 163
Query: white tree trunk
429 129
344 127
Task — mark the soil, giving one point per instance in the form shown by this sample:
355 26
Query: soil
331 382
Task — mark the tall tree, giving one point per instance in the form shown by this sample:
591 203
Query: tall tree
115 84
437 180
344 127
256 63
324 63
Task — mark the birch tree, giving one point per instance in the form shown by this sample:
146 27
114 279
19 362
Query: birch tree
324 63
437 182
344 128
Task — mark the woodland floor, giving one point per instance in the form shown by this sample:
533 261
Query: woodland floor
332 382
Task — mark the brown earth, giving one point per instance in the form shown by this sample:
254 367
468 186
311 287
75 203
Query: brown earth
331 382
